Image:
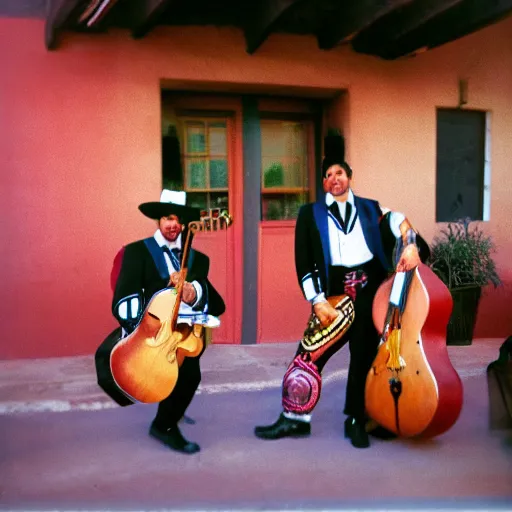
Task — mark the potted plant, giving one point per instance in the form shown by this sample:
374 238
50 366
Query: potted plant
462 258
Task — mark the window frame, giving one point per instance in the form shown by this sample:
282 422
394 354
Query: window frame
310 121
484 172
207 117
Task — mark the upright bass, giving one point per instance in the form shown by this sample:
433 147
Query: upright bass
412 388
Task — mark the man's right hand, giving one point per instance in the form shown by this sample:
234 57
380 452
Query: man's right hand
325 313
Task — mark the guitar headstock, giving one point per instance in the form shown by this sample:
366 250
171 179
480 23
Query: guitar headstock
214 219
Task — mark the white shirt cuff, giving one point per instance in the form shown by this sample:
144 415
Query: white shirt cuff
319 298
395 219
199 292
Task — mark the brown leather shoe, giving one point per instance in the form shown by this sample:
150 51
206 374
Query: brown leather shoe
173 438
283 427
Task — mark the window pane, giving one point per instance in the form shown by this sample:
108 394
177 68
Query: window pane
295 174
272 139
217 139
196 140
196 174
197 200
284 148
460 164
218 174
282 206
219 200
273 173
205 160
284 158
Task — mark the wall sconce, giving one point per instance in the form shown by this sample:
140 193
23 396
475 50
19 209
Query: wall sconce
463 92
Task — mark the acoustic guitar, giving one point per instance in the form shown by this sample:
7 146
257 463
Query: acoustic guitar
145 364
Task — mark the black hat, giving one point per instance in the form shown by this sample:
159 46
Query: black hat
171 203
334 150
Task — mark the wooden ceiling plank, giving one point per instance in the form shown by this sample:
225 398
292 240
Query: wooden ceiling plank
400 23
262 19
354 16
146 15
462 18
58 14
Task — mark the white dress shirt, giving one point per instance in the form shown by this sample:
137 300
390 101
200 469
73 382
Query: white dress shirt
350 249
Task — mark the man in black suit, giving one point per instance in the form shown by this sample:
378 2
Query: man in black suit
340 248
145 268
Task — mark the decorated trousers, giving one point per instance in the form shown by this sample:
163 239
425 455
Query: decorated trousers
302 382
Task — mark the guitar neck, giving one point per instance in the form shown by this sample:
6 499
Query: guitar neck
211 223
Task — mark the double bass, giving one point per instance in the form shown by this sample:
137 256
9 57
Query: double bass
144 366
412 388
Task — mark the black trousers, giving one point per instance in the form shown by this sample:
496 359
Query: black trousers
172 409
362 336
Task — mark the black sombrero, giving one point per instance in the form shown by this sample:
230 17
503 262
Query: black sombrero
171 202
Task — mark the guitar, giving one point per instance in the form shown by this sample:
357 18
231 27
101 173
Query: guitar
412 388
144 365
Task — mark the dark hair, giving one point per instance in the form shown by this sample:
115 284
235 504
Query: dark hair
327 162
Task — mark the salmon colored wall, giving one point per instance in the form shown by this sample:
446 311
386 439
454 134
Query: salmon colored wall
80 149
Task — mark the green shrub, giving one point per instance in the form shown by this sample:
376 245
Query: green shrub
462 257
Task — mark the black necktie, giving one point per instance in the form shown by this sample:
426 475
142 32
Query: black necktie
348 213
335 210
175 255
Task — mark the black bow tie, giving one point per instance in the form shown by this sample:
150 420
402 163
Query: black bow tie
175 255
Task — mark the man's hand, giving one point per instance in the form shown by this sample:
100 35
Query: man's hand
175 277
325 313
409 259
189 292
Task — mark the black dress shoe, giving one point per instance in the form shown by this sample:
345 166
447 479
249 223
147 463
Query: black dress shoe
380 432
283 427
173 438
356 432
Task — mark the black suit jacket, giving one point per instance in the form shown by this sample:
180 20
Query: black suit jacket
312 247
140 275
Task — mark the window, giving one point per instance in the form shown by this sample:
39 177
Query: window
462 169
203 144
285 158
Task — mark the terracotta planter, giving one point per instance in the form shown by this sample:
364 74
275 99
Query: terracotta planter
462 322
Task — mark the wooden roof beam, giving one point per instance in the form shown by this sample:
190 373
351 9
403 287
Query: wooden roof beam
446 21
146 14
58 14
354 16
262 19
473 15
398 25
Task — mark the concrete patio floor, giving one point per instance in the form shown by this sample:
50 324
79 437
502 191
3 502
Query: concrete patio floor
66 446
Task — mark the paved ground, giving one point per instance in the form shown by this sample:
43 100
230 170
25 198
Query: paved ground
95 456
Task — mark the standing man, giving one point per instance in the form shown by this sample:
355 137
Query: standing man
145 268
339 249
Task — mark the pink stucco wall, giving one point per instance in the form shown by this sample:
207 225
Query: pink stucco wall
80 149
